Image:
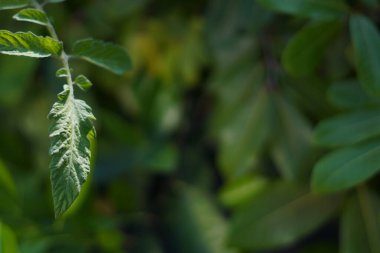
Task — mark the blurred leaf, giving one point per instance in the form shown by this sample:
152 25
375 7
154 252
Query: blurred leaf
13 4
28 44
308 8
349 94
366 43
14 81
279 217
306 49
103 54
243 138
193 224
8 242
6 180
292 148
33 16
346 167
243 190
360 225
348 129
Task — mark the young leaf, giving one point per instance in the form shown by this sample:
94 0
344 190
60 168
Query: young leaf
366 43
346 168
103 54
305 50
360 224
8 241
83 82
62 72
279 217
71 122
13 4
325 9
349 128
28 44
32 15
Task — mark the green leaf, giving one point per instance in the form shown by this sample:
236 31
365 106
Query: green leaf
366 44
33 16
348 129
305 50
194 223
13 4
346 167
83 82
71 122
349 94
279 217
244 136
62 72
8 242
28 44
308 8
292 148
55 1
360 225
106 55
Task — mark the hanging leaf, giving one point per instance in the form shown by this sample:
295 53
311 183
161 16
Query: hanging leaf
13 4
349 128
33 16
308 8
103 54
360 224
28 44
71 122
305 50
346 167
366 43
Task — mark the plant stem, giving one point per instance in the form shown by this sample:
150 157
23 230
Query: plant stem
64 58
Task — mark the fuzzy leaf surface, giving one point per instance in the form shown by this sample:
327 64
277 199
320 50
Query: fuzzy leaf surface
106 55
28 44
71 122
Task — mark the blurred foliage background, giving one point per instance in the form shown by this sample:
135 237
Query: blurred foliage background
207 145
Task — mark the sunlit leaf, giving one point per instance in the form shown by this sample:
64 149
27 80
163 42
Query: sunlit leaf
33 16
71 122
28 44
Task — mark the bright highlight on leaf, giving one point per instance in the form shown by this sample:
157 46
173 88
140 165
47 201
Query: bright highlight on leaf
33 16
83 82
103 54
13 4
71 122
28 44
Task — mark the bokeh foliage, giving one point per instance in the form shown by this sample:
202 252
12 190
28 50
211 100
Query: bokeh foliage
244 126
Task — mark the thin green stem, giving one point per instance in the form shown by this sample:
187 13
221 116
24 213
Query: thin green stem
64 58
